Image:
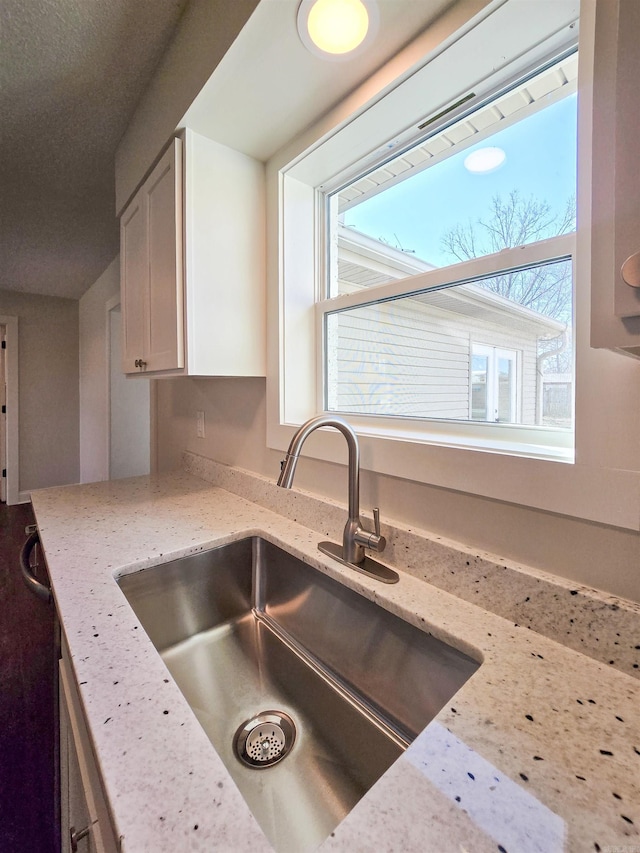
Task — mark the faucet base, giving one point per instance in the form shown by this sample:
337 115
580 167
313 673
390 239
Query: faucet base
369 567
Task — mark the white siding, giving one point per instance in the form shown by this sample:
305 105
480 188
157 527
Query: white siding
410 358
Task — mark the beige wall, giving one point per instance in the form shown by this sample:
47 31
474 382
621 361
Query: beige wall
94 375
48 381
234 422
235 415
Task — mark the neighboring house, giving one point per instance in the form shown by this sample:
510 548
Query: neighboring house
456 353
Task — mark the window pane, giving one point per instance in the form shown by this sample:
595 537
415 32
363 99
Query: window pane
506 390
434 205
479 375
453 353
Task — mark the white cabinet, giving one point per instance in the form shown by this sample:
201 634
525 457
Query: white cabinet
151 270
615 172
84 815
192 255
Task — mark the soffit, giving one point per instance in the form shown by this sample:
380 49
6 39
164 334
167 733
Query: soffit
554 83
269 88
358 269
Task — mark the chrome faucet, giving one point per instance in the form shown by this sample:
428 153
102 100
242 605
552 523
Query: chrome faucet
355 537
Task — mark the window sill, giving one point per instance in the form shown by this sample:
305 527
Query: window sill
592 493
529 442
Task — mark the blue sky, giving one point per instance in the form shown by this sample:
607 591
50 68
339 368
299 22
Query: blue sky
540 161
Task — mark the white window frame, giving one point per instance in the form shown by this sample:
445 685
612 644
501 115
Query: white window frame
603 484
515 438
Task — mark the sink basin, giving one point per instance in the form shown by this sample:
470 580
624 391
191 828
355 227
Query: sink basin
307 690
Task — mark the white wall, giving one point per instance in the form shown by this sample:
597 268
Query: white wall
48 382
234 422
114 411
94 373
607 558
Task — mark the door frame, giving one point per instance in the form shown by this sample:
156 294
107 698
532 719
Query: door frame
13 495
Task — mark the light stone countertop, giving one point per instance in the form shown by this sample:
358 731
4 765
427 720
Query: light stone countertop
539 751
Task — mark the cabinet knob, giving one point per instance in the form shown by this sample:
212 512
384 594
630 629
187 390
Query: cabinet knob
630 270
77 835
140 363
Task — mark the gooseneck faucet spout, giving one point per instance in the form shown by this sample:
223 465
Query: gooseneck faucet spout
355 538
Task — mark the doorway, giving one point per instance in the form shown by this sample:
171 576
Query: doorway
9 457
129 411
3 416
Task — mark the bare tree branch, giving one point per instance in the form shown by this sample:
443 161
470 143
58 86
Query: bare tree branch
515 221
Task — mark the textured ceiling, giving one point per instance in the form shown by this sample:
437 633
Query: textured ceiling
71 74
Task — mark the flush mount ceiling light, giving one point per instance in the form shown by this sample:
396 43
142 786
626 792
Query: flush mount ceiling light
484 160
335 29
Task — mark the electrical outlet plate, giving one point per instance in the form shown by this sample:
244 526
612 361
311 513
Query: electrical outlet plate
200 424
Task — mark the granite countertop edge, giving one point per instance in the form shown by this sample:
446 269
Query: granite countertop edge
539 751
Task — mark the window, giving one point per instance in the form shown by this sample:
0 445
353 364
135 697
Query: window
449 287
378 319
494 384
509 462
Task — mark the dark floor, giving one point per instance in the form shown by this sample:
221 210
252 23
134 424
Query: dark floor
27 701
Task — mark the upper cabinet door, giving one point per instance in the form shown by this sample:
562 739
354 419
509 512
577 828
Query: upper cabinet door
163 199
134 282
151 262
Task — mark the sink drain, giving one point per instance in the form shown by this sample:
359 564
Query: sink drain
265 739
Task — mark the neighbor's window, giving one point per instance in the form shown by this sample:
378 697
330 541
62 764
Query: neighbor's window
449 291
494 384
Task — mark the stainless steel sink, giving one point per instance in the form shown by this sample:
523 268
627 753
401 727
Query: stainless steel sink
255 638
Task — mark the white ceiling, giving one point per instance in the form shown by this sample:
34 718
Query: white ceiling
269 87
71 74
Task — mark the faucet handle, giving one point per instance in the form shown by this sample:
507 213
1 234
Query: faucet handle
369 539
379 543
376 520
